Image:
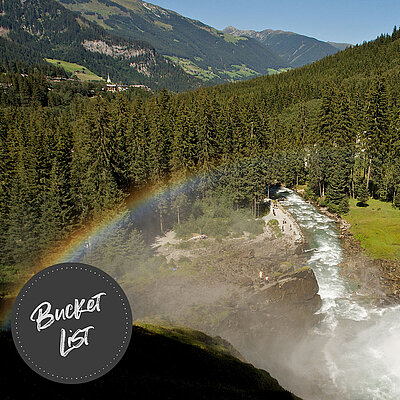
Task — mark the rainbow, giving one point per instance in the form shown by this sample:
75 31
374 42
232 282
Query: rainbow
73 247
137 202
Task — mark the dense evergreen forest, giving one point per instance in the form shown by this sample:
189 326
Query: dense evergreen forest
333 125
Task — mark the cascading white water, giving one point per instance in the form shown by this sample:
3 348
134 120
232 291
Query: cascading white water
362 344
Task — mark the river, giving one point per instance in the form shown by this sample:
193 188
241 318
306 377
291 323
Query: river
361 344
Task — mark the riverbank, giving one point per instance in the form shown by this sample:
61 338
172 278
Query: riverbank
377 280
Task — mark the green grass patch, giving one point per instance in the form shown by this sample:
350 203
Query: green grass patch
233 39
240 72
234 73
82 73
95 6
188 336
274 225
377 226
191 68
272 71
162 25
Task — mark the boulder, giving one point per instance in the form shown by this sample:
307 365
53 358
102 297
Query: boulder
295 288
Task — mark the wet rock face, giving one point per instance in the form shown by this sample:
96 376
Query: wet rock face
296 288
390 279
285 307
225 296
273 319
226 290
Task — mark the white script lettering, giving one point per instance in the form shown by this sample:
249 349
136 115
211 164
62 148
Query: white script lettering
44 318
75 341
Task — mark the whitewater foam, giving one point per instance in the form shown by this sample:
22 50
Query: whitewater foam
362 346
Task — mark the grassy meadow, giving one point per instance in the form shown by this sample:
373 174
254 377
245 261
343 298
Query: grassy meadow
83 75
377 226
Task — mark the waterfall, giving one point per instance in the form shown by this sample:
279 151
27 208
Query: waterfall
361 345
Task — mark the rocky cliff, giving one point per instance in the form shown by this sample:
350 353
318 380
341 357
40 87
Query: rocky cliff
216 288
201 50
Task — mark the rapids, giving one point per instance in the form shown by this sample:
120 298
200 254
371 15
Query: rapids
361 344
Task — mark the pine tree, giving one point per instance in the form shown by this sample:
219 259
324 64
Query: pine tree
138 148
336 196
184 157
93 171
327 114
122 132
362 193
377 124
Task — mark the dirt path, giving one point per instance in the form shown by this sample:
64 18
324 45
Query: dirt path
287 224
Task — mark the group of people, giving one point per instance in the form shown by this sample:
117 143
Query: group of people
263 278
285 223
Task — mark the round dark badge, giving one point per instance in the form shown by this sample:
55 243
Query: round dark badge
71 323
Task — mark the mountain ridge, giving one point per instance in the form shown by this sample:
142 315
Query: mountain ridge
294 48
36 29
203 51
340 46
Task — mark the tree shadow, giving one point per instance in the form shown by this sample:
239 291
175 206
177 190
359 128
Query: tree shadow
360 204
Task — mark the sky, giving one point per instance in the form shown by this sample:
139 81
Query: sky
349 21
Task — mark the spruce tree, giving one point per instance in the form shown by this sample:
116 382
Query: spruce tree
336 197
362 193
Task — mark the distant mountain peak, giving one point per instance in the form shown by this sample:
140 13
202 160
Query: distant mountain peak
341 46
294 48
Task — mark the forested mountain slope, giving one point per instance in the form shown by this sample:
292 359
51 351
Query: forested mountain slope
333 125
200 49
295 49
34 29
